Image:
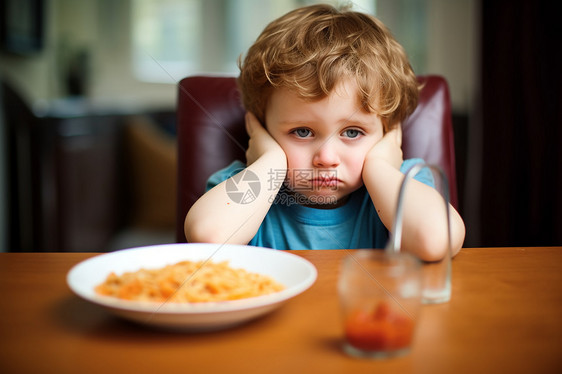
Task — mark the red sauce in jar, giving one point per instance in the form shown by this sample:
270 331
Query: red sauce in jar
385 328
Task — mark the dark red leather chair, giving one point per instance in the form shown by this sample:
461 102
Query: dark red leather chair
211 134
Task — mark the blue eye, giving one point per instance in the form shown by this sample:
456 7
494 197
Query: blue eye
302 133
352 133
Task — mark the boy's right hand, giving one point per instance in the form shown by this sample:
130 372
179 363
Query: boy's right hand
214 219
260 141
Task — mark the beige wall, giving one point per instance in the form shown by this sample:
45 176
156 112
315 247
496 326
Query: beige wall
103 27
447 32
453 28
32 74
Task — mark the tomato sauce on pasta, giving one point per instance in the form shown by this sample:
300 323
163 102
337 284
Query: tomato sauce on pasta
188 282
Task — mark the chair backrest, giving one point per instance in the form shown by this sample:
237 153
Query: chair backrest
211 134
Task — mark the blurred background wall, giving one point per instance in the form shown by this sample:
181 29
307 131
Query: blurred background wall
89 91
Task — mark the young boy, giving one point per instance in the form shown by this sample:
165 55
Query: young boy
325 91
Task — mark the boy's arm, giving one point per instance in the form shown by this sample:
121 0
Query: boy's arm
215 218
424 221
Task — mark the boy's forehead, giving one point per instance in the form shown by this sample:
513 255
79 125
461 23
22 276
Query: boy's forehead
342 105
346 91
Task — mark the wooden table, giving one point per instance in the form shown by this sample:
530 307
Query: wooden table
505 316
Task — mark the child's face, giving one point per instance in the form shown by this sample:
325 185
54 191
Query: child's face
325 141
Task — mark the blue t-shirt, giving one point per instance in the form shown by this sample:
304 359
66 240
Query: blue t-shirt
288 225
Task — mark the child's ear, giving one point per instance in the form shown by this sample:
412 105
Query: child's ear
263 121
385 125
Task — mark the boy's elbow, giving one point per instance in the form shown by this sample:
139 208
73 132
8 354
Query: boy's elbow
209 231
430 247
198 232
432 244
196 236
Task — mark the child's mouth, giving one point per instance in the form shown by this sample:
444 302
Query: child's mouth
328 181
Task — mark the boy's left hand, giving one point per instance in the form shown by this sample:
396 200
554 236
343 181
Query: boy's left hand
388 148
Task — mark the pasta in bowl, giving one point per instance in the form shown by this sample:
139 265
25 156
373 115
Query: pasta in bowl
188 282
214 268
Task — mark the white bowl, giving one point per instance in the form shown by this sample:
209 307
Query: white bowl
294 272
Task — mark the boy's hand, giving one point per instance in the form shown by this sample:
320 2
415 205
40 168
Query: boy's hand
260 141
388 148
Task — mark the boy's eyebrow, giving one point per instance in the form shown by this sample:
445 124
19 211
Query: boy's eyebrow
356 122
346 122
294 123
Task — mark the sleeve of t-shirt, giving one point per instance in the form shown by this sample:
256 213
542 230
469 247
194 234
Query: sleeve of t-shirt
424 175
220 176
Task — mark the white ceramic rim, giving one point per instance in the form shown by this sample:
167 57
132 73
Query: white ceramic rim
77 277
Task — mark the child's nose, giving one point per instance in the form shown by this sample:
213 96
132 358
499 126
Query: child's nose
326 156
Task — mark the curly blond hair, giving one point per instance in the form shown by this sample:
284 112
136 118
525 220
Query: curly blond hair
311 49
